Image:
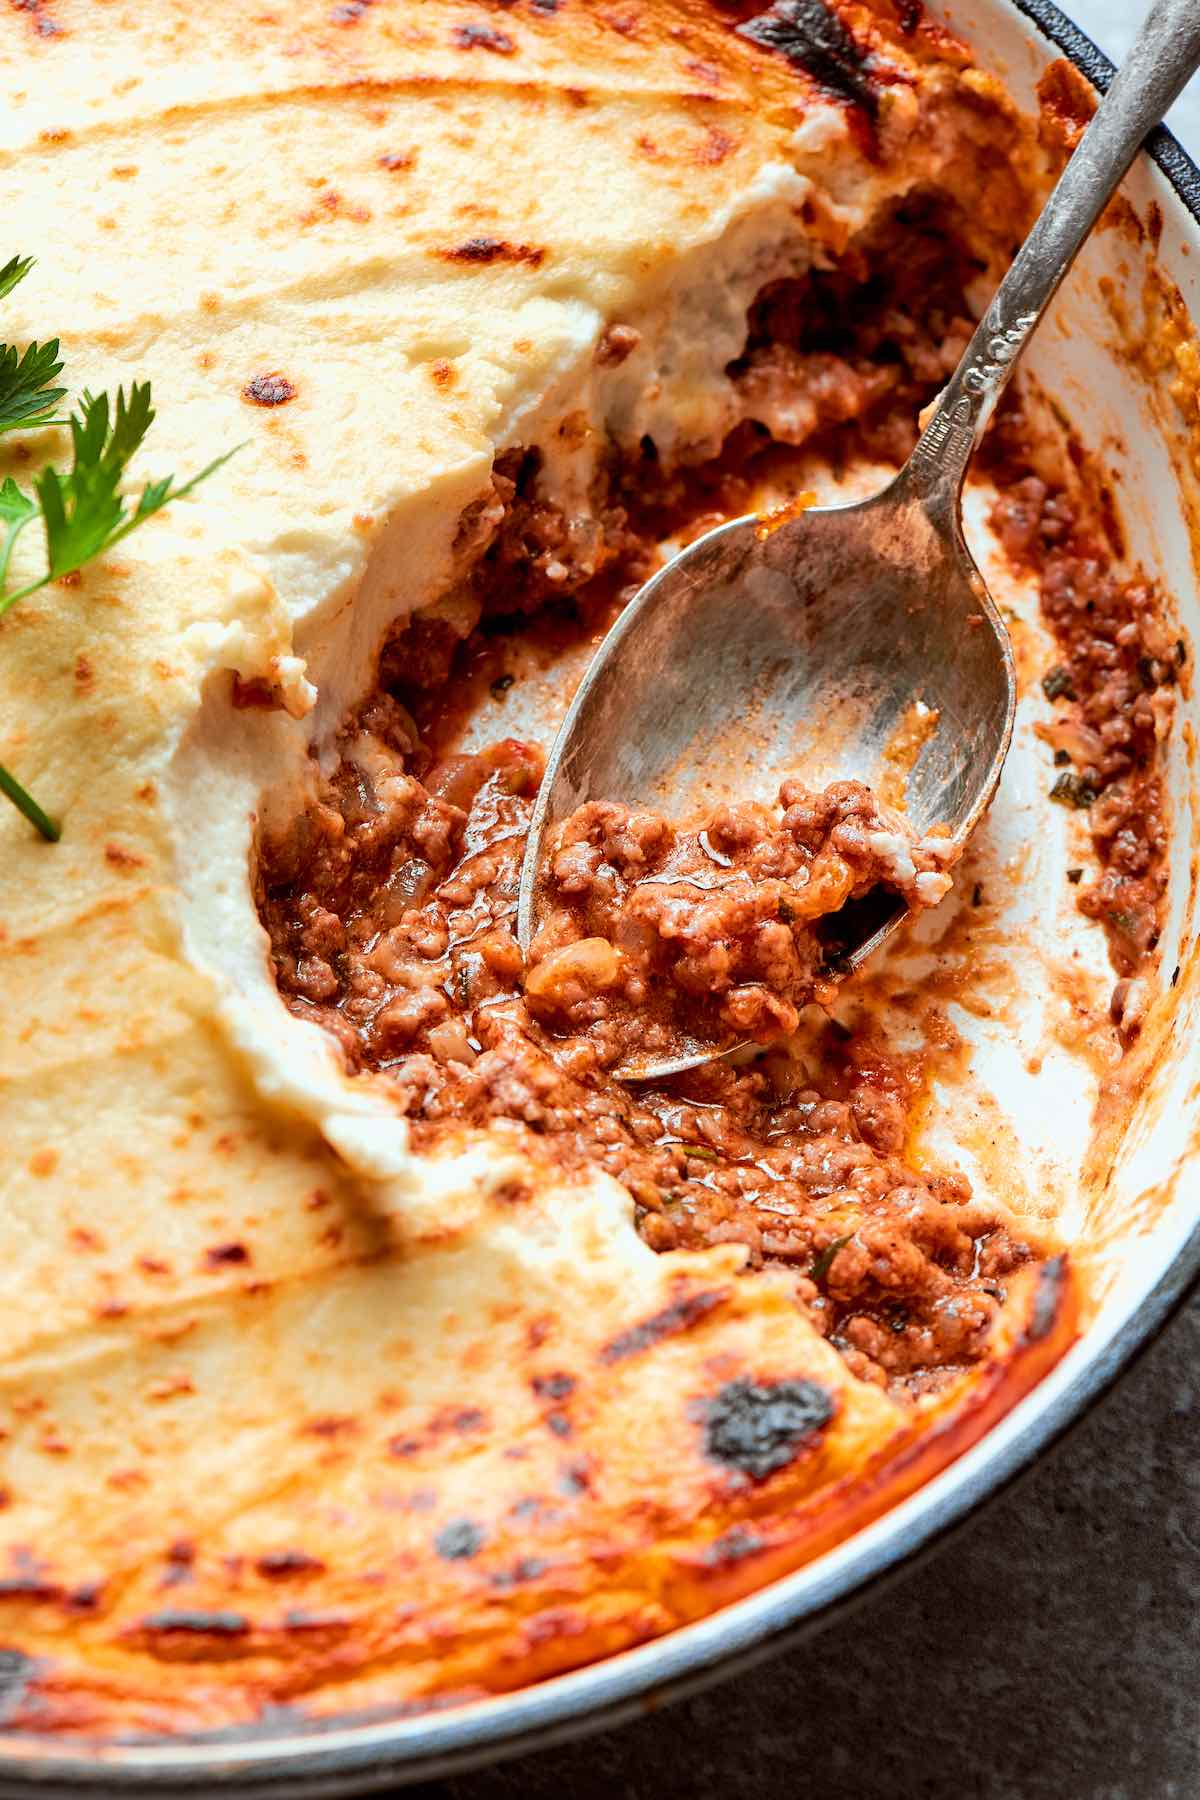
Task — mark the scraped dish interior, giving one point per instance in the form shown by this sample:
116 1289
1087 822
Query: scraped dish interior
369 1347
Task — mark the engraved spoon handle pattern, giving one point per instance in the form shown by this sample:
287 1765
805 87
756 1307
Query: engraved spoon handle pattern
1164 56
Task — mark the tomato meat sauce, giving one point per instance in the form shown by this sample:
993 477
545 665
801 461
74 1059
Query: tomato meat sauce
391 902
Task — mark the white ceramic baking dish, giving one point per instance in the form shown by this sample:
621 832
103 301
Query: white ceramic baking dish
1110 361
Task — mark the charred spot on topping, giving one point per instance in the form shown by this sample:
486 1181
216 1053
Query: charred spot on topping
526 1568
482 37
759 1427
469 1418
573 1480
490 250
29 1579
333 205
459 1540
1047 1299
814 40
559 1424
197 1624
28 1587
15 1671
221 1255
681 1315
350 11
330 1425
180 1559
398 159
553 1387
279 1565
715 146
732 1547
300 1619
121 858
272 389
85 1597
39 17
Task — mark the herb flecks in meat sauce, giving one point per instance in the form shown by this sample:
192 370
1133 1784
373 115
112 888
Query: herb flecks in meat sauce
391 903
1110 689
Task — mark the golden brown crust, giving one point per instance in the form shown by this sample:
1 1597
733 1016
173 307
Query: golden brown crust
567 1552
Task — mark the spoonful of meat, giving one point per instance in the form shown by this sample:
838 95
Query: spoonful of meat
672 925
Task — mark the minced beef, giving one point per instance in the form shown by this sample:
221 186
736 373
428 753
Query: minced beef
391 902
1110 686
655 938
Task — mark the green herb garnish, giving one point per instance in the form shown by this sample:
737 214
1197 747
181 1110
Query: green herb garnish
824 1262
82 510
27 401
1073 790
1057 684
1120 920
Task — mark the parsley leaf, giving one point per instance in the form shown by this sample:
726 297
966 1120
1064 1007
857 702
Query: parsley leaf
27 401
16 510
14 270
83 510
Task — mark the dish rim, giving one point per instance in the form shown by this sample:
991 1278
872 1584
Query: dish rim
357 1757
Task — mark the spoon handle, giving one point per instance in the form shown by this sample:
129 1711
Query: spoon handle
1164 55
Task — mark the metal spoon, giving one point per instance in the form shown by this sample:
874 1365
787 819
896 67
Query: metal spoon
758 653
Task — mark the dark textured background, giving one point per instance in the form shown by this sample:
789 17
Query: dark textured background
1049 1651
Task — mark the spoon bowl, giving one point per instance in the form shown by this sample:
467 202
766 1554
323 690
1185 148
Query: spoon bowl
760 653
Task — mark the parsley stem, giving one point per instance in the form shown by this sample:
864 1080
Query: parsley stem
10 600
25 803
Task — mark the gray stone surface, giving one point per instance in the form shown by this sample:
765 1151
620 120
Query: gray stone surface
1050 1651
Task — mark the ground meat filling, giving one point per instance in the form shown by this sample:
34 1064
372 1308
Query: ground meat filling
656 938
1110 687
391 903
